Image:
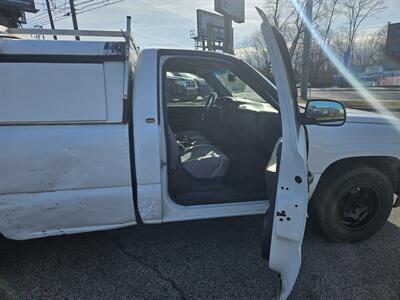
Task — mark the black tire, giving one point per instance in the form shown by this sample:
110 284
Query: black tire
352 203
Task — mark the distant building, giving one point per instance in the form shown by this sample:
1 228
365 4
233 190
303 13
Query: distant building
373 76
393 42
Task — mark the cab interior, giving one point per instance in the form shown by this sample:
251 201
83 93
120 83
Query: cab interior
218 144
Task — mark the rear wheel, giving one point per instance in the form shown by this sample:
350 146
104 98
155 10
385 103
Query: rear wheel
353 203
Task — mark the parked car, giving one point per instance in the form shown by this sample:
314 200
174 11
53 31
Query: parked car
89 141
368 81
204 90
298 84
181 88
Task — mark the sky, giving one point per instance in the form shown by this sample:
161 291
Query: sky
167 23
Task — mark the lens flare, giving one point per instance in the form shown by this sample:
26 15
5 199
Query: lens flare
351 79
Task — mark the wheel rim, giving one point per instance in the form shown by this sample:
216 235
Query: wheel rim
357 207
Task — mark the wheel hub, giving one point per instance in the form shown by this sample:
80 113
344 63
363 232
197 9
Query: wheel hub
357 207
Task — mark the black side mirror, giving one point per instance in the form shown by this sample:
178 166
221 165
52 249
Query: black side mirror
325 112
231 78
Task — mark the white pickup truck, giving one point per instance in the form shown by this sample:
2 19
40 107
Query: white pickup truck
89 141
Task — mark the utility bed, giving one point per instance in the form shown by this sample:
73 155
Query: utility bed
90 78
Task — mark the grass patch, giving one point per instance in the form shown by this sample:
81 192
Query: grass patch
388 104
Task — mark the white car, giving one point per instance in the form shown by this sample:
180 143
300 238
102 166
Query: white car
368 81
88 141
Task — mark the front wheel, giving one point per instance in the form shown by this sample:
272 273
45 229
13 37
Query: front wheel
353 203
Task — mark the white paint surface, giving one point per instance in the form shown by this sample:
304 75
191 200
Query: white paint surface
147 137
291 197
61 157
50 47
114 80
51 92
57 179
32 215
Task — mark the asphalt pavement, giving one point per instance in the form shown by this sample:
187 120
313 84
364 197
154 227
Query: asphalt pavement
206 259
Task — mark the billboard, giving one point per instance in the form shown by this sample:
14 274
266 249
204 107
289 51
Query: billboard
393 41
233 8
209 21
21 5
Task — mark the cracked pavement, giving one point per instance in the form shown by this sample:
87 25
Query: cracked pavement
201 259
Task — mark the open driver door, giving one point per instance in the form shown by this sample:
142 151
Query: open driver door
286 172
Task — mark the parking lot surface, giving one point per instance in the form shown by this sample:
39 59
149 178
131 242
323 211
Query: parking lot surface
201 259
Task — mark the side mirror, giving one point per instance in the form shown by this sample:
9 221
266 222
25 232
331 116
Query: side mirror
231 78
325 112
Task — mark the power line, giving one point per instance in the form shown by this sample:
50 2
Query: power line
84 2
62 11
56 16
96 3
38 16
104 5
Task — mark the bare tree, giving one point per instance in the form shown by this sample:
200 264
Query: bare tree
279 12
285 17
329 12
356 12
370 48
254 51
338 41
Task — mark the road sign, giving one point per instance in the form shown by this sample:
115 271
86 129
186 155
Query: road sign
393 41
232 8
21 5
207 21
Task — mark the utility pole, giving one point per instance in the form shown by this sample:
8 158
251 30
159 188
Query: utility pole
50 17
306 53
73 15
209 37
228 34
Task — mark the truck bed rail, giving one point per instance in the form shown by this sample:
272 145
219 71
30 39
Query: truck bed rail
126 35
66 32
123 34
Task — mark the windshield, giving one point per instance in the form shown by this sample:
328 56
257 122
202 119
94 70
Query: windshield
236 87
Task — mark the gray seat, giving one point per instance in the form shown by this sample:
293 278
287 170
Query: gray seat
202 161
192 138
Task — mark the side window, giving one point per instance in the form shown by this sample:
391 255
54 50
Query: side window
239 89
186 89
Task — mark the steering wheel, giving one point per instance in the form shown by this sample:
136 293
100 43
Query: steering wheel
209 104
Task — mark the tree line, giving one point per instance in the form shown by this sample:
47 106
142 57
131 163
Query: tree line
338 22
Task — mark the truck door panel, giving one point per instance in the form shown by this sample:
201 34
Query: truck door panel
286 218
